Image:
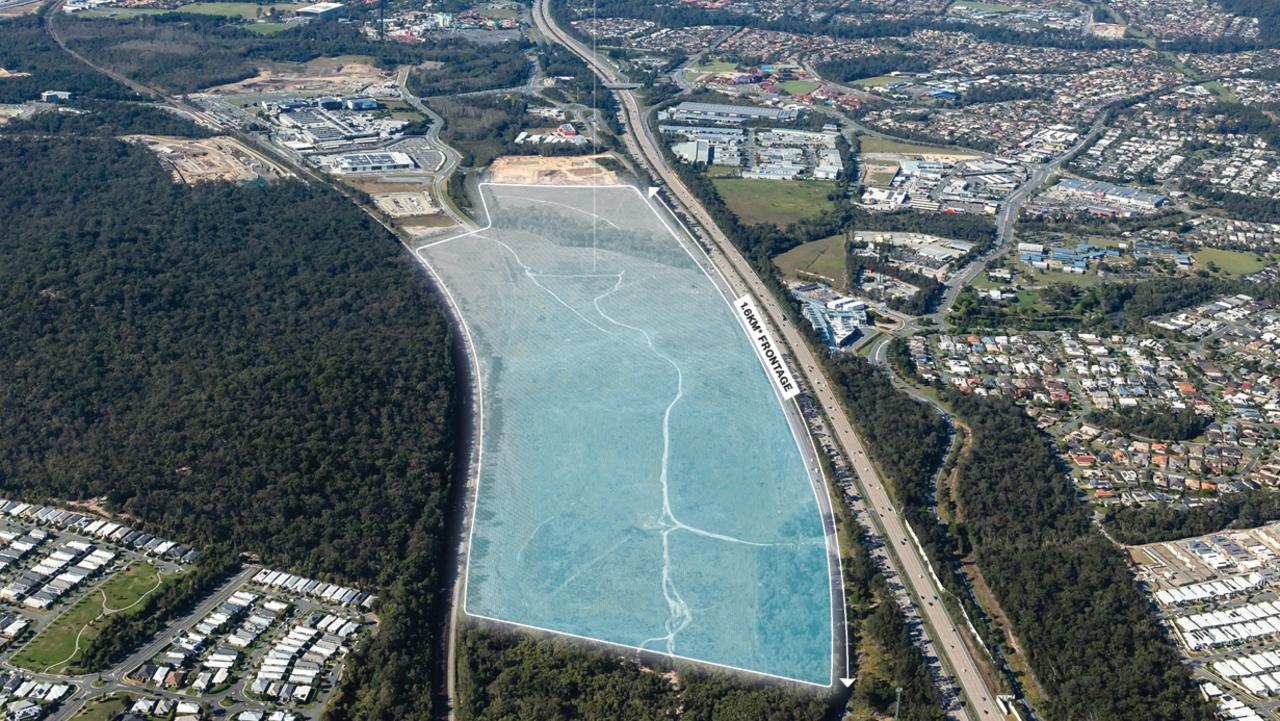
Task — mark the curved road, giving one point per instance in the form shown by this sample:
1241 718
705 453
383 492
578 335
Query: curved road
907 555
451 156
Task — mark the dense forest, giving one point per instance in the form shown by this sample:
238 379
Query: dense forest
482 127
471 68
686 15
247 368
1166 425
39 64
1110 307
1089 635
577 83
924 300
183 53
1153 523
856 68
121 634
510 676
1236 205
907 439
106 118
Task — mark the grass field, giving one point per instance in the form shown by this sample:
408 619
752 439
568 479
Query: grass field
102 709
826 257
989 7
497 13
244 11
1052 277
1230 262
774 201
879 175
877 144
330 60
54 648
694 72
241 10
878 81
715 66
1221 91
799 87
982 281
1029 301
121 13
267 28
412 116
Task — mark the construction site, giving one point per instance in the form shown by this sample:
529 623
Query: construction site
218 158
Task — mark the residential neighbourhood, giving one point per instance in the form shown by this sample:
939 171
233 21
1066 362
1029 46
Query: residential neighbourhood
267 645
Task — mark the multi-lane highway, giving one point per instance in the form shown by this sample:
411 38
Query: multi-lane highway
908 556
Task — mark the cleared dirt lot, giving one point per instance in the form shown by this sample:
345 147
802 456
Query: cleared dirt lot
218 158
13 11
535 169
331 76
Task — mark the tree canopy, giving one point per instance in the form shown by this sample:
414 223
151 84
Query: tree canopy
257 369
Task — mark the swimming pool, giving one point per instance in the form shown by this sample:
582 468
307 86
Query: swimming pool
638 481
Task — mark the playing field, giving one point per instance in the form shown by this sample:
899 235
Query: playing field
243 10
496 12
878 81
58 646
1230 262
639 483
716 66
799 87
989 7
877 144
774 201
825 257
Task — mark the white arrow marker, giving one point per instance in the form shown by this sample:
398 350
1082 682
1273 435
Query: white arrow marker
653 190
847 682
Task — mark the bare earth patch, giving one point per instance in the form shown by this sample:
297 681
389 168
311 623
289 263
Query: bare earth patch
536 169
332 78
218 158
19 10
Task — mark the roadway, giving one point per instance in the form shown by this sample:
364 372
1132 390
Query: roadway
908 556
1008 217
7 6
451 156
98 685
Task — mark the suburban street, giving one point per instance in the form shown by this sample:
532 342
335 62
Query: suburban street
908 556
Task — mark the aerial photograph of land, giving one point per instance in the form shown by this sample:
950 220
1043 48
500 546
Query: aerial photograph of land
608 360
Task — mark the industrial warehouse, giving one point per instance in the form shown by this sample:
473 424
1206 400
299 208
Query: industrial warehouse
714 112
759 153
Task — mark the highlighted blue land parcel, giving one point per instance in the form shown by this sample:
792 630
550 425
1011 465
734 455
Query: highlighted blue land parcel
639 481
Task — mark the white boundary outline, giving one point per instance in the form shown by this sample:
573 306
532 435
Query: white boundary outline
830 539
821 478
